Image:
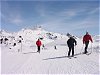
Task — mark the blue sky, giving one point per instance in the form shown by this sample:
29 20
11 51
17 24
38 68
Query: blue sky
75 17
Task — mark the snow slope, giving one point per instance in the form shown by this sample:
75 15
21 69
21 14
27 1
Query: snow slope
50 61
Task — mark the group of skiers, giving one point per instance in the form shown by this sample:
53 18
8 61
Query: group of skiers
12 42
71 42
4 40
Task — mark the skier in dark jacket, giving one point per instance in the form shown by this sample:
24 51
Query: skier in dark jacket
86 40
38 43
71 41
5 41
1 40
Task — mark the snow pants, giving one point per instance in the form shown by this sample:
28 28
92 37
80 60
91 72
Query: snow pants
71 48
38 49
86 46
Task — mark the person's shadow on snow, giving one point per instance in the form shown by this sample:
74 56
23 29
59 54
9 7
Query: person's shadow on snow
56 57
29 52
61 57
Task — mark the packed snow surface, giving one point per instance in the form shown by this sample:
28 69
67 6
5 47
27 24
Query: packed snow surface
49 60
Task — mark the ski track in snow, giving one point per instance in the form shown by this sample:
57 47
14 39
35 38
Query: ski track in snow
49 61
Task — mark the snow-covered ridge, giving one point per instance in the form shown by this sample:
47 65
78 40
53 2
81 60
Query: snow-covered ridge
31 35
5 33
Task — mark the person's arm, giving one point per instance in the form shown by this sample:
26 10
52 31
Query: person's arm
36 42
75 42
67 42
91 39
83 39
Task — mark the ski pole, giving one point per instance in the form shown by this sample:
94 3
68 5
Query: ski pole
21 46
91 48
75 47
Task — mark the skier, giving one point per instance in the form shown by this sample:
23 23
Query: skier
1 40
71 41
55 47
20 43
5 40
86 39
20 39
13 44
38 43
43 47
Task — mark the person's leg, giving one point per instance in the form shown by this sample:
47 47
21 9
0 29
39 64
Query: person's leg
1 42
86 46
69 51
72 51
38 49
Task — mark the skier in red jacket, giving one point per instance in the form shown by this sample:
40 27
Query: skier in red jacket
38 43
86 40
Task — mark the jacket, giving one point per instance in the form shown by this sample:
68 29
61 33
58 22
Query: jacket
87 38
38 43
71 42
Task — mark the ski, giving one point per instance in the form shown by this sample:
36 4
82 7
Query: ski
88 53
69 57
30 52
72 57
